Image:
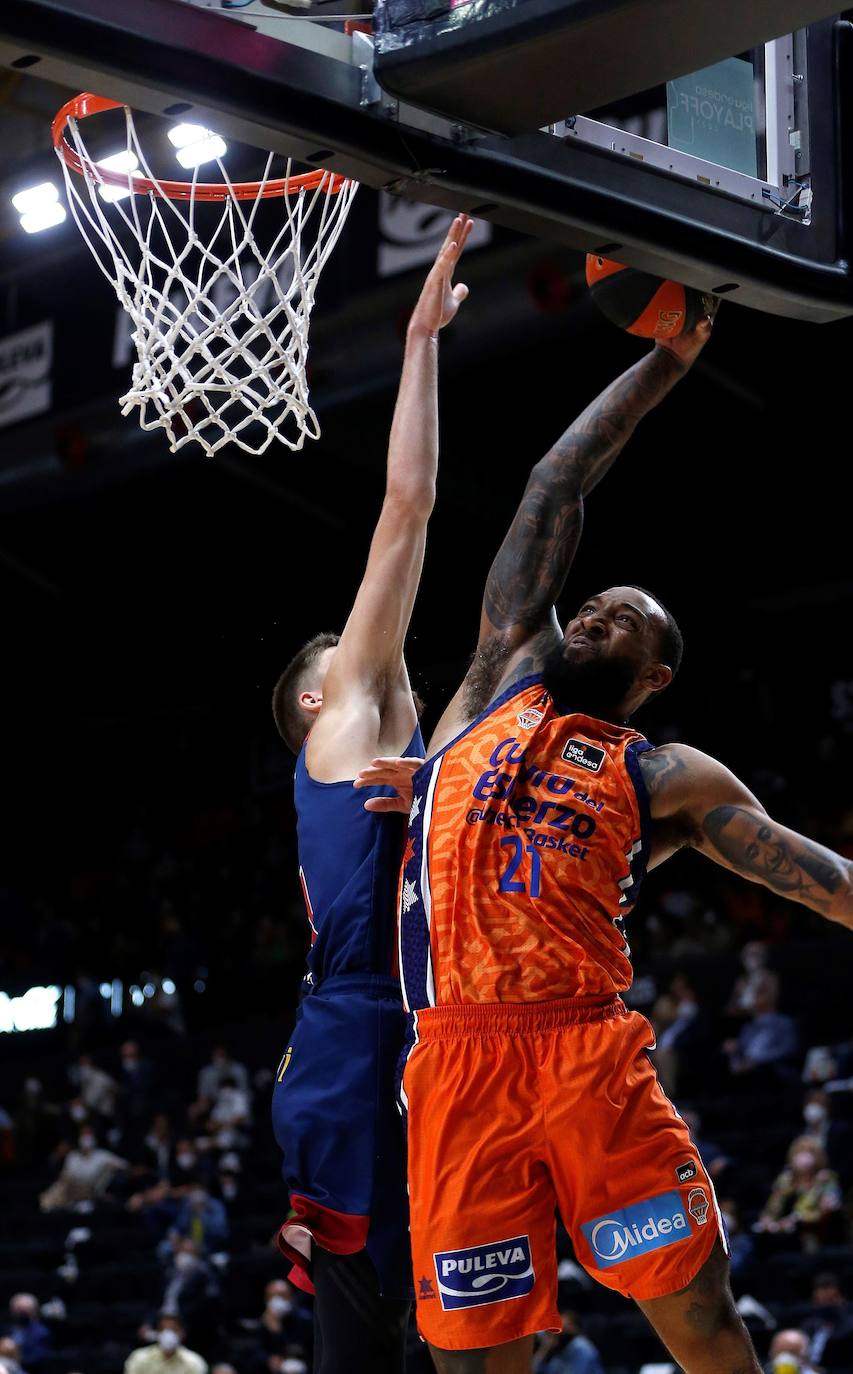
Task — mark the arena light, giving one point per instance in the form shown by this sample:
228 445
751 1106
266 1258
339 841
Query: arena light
39 207
196 145
125 161
168 987
36 1009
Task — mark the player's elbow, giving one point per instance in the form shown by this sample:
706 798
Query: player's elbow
410 500
841 909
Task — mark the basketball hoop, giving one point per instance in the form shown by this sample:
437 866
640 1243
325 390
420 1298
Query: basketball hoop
220 318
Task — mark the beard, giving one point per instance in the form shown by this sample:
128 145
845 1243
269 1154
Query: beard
593 685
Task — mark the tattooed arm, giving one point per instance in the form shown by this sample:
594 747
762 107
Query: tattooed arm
518 624
696 801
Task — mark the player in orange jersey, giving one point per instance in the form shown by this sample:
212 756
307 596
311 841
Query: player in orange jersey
532 822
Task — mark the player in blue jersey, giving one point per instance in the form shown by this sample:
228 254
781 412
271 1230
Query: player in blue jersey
339 703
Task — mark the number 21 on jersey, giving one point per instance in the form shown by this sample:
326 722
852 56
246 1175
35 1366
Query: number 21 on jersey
517 849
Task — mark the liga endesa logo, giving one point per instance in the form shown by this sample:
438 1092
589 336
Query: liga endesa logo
635 1230
484 1273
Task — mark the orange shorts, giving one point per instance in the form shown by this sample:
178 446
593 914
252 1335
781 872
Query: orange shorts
515 1110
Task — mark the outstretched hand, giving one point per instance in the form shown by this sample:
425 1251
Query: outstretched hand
687 347
396 773
440 299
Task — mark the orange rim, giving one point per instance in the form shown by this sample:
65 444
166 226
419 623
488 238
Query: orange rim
87 104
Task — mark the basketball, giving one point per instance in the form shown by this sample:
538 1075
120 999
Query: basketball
642 304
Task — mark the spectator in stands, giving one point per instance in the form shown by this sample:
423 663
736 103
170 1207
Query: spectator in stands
192 1168
192 1287
741 1244
228 1181
10 1355
283 1324
567 1351
789 1353
757 980
214 1074
137 1082
36 1121
806 1197
816 1116
713 1157
202 1219
97 1090
86 1174
157 1154
683 1033
167 1355
829 1326
27 1330
222 1369
230 1118
768 1041
825 1063
161 1202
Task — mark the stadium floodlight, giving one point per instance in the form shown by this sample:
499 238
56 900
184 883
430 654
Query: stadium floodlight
196 145
39 207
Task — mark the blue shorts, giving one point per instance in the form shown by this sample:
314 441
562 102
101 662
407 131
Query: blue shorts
339 1130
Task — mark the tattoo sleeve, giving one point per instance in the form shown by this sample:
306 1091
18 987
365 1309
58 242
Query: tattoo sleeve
531 567
758 848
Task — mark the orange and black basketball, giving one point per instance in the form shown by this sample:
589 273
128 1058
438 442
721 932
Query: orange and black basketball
643 304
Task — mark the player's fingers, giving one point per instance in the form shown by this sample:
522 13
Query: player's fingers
458 236
460 293
408 761
454 235
398 779
388 804
393 776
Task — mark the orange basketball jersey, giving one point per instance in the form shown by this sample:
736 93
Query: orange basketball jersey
528 842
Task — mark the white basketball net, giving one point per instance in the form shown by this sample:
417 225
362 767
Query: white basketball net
220 320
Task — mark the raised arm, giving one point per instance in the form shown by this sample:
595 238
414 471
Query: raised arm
696 801
533 562
366 697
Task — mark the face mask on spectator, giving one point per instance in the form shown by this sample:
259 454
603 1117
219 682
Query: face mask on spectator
803 1161
168 1340
814 1113
198 1197
786 1364
87 1143
184 1261
78 1112
228 1188
279 1305
185 1159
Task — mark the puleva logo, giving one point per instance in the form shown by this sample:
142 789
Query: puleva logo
484 1273
631 1231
